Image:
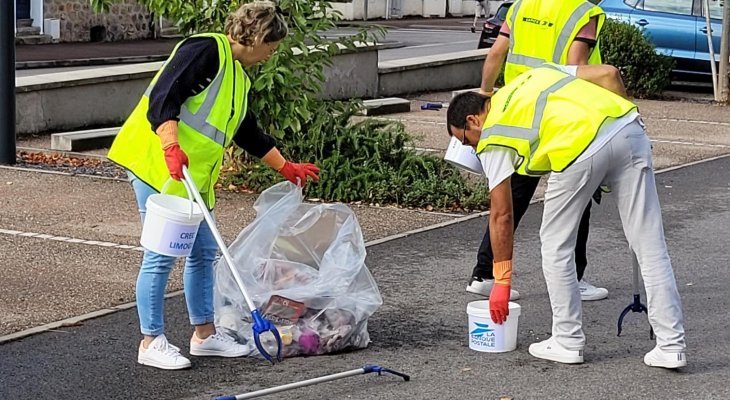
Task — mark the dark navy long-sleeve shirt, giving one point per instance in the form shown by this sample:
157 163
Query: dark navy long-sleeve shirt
190 71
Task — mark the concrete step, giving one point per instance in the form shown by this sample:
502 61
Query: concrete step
22 23
28 31
455 93
84 140
388 105
170 32
34 39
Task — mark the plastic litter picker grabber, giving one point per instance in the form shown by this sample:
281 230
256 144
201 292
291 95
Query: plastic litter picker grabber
260 324
636 306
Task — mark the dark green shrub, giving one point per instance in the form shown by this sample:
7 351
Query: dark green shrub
645 72
371 161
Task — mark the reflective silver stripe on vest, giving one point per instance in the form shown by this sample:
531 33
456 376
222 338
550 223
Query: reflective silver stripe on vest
532 62
515 9
198 121
565 33
531 134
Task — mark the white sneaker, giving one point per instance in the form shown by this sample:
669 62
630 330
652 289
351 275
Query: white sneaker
551 350
217 345
483 287
161 354
660 358
589 292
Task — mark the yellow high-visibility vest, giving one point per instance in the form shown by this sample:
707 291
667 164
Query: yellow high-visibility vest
549 118
542 31
208 122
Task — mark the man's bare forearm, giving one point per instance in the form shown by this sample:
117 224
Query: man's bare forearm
501 232
493 63
501 225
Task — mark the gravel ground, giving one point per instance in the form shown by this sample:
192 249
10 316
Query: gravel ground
46 280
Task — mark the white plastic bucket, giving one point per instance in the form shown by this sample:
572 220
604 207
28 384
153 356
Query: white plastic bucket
485 335
464 157
171 224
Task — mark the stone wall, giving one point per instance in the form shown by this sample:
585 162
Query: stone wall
125 20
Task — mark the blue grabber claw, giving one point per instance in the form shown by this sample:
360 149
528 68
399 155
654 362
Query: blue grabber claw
432 106
379 370
638 307
261 325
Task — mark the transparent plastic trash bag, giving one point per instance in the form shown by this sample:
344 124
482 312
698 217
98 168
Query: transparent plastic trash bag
304 267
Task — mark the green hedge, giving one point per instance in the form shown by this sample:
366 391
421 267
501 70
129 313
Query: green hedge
645 72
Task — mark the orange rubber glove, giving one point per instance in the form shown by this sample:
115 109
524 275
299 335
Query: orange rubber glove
297 173
499 297
175 158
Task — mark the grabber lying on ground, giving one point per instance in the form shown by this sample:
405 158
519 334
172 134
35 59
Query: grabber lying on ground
260 324
276 389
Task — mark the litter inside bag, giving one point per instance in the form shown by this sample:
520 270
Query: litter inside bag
304 268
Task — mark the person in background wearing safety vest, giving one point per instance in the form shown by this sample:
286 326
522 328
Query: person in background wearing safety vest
193 109
558 120
534 32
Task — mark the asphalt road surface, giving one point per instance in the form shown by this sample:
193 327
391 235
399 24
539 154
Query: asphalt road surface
421 329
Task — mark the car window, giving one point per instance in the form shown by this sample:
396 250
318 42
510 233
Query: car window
631 3
502 12
669 6
715 9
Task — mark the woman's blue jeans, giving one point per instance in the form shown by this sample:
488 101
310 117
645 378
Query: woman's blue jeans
155 269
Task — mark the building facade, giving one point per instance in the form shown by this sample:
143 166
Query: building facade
75 21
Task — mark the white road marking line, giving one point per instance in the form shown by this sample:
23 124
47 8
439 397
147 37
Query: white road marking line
70 240
721 146
691 121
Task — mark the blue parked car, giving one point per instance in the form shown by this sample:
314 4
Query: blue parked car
676 27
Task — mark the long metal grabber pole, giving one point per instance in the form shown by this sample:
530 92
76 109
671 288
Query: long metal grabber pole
295 385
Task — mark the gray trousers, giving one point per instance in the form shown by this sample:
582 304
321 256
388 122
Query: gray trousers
481 6
625 164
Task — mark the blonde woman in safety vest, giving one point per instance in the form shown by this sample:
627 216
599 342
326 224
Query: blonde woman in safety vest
548 121
193 109
535 32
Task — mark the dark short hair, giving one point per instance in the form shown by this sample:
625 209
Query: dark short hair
463 105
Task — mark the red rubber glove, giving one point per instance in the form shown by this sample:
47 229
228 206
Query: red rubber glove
499 302
294 171
175 158
499 297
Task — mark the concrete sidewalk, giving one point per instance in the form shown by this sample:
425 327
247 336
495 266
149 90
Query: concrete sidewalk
421 328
